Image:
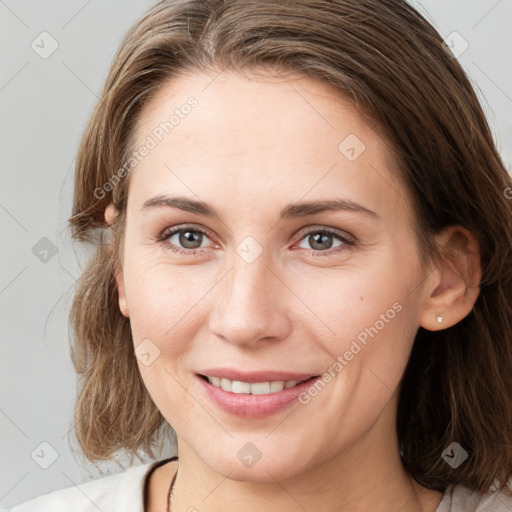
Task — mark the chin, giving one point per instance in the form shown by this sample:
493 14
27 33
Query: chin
247 462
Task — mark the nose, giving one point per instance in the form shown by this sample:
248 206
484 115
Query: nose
250 305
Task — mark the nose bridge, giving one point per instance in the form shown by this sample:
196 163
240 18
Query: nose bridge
245 308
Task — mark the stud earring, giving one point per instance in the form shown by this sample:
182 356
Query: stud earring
439 319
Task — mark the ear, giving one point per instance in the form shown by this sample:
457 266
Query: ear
110 215
454 285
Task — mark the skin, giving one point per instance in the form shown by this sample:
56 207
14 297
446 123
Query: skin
252 146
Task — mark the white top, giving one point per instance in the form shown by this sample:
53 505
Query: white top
124 492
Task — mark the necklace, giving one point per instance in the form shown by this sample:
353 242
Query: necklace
169 494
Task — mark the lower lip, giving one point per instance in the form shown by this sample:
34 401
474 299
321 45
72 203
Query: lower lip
253 406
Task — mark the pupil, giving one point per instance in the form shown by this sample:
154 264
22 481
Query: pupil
188 237
321 240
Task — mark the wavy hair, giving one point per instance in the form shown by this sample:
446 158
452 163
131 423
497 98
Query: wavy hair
392 65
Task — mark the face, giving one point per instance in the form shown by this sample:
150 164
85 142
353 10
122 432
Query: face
265 283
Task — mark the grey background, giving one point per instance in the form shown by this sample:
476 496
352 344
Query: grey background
44 106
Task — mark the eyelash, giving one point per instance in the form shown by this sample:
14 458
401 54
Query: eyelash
162 238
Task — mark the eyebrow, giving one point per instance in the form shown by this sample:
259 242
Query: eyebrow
295 210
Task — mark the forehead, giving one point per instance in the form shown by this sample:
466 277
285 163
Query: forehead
249 138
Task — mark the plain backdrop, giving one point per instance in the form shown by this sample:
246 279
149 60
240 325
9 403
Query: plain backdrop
54 60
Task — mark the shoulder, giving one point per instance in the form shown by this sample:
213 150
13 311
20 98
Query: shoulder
123 491
458 498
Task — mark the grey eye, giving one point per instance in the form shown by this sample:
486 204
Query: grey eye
321 240
188 238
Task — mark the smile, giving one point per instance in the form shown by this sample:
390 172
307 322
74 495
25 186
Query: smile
252 388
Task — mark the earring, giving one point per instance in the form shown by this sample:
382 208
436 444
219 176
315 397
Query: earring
439 319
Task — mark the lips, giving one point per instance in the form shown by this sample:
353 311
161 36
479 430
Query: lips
256 375
252 406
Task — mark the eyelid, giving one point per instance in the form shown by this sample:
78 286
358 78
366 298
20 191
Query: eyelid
167 232
347 239
319 228
300 234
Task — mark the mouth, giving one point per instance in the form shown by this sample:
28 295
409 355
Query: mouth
252 399
253 388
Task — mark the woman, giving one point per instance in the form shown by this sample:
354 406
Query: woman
303 266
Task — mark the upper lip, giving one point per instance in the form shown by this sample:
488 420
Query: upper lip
255 376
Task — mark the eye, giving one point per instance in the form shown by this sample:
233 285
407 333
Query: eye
321 240
187 240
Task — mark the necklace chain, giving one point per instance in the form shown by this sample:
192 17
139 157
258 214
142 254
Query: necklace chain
170 493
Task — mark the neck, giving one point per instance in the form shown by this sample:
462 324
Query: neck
368 475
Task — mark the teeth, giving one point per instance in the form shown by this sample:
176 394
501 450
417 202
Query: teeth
254 388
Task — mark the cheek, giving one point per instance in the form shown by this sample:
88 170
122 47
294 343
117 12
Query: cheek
164 299
345 304
367 320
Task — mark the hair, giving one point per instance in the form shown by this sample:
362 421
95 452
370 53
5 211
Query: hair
392 65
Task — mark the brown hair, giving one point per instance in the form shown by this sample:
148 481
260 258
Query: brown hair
391 63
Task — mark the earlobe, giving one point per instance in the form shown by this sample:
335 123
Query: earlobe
123 305
453 287
110 215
